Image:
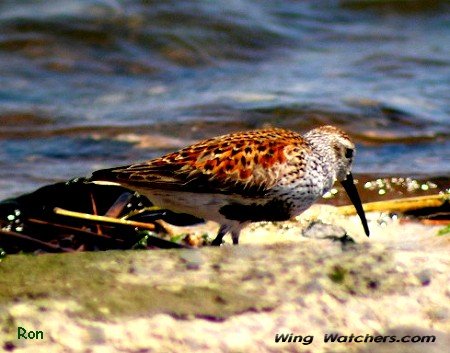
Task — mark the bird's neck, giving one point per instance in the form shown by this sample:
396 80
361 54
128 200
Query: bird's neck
325 155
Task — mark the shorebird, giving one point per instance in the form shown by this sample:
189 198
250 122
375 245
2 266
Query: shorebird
259 175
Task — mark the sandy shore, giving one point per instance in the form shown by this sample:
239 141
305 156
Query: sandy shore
238 299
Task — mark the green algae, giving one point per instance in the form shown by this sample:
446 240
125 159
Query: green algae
212 283
84 278
444 231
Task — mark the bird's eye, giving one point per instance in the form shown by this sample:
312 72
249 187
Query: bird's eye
349 153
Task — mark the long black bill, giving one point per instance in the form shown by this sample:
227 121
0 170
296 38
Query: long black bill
352 193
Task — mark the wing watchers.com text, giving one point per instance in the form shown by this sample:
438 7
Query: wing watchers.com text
337 338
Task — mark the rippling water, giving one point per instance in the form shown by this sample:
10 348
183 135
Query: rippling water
95 83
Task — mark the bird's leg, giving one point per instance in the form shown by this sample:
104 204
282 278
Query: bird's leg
235 237
218 240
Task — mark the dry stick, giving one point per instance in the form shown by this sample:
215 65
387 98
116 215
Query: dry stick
87 235
43 245
102 219
94 211
108 240
154 241
398 205
435 222
119 205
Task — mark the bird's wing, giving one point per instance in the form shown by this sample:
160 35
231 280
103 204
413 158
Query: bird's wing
247 162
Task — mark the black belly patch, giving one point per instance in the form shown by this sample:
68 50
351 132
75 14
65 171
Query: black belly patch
275 210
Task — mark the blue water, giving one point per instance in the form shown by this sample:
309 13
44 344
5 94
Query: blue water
95 83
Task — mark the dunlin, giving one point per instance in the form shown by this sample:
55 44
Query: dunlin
260 175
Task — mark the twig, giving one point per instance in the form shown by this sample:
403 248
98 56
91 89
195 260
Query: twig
102 219
104 239
398 205
94 211
118 206
42 244
107 240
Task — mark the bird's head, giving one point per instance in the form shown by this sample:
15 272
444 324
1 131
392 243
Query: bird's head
337 148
